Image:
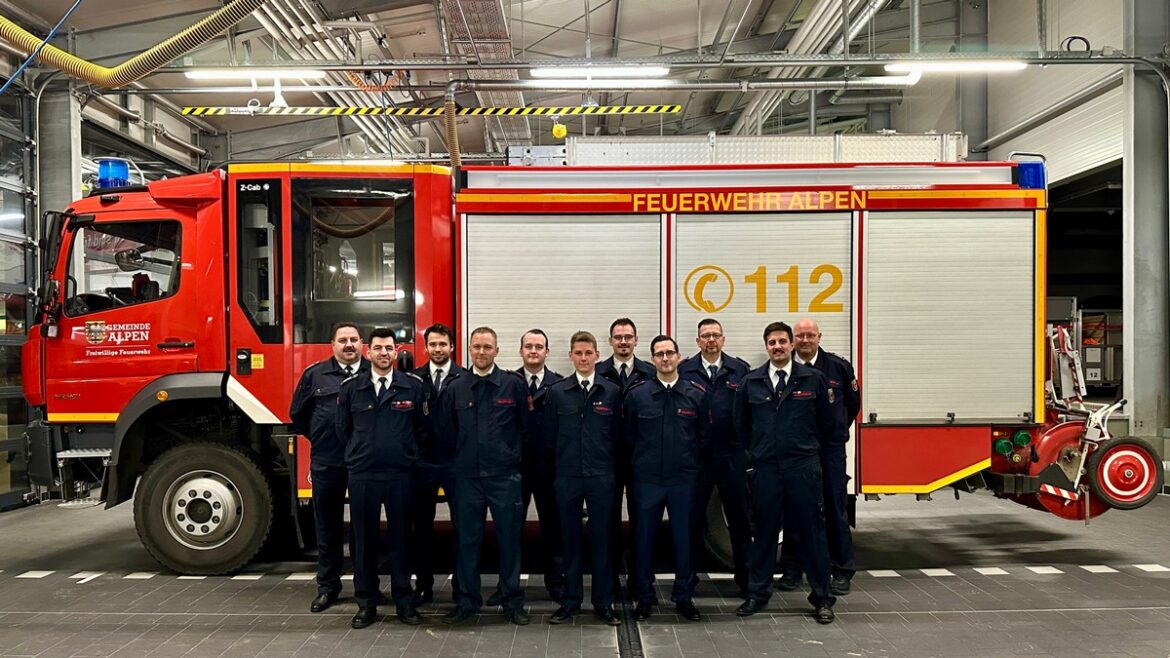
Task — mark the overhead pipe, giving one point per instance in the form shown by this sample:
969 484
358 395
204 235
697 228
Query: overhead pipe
1042 25
1066 104
125 113
871 8
915 26
139 66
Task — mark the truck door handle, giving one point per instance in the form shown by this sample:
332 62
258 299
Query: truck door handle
176 344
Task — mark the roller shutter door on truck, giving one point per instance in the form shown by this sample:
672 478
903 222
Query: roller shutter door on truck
561 273
948 322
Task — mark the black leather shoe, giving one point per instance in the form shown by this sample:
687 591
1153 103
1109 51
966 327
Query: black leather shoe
518 616
497 598
824 614
643 611
788 582
608 616
322 602
688 611
839 586
423 597
408 615
364 617
562 615
458 615
750 607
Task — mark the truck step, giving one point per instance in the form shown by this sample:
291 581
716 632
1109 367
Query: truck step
79 453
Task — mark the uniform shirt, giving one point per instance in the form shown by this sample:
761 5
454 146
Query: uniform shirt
382 437
314 408
843 384
584 427
667 430
441 448
786 431
488 416
610 370
539 450
720 397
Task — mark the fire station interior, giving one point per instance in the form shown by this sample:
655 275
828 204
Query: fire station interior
962 569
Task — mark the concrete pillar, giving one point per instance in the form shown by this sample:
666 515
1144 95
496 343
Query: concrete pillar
972 102
1146 218
59 151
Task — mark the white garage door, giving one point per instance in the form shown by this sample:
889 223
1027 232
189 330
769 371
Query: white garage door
561 273
749 270
948 323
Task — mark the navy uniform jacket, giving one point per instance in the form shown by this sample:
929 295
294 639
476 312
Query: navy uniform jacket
538 449
584 430
642 371
785 431
382 439
441 449
314 407
720 396
667 430
489 417
839 373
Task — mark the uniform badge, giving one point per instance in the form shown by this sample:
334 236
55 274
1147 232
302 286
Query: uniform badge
832 397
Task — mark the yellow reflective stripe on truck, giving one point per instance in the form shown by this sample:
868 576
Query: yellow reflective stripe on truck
82 418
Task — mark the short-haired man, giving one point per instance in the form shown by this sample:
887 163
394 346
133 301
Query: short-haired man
785 413
434 467
537 462
313 410
382 417
584 422
487 407
666 423
724 465
843 384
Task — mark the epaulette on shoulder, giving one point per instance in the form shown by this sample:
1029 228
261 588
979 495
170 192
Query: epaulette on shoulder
412 375
513 373
702 389
636 384
741 362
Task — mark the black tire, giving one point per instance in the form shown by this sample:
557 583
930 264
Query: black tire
717 538
1125 472
217 530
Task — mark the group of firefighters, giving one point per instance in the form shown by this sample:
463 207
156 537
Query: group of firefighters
665 432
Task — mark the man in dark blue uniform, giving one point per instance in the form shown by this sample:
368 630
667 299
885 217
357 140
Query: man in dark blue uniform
382 417
583 418
666 422
537 462
487 407
434 467
724 465
843 383
313 410
784 412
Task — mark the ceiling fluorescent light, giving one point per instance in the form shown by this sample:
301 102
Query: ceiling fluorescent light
254 74
957 65
599 72
604 85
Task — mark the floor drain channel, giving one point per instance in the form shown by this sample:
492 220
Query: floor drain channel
629 639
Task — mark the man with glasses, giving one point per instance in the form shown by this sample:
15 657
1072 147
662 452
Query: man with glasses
784 412
843 384
666 422
313 410
433 469
724 465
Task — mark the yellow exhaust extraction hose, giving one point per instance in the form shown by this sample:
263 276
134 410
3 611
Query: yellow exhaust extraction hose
142 64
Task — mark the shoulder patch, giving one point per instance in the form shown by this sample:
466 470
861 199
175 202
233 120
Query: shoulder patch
832 397
853 385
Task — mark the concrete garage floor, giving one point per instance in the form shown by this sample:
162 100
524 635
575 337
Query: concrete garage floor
976 577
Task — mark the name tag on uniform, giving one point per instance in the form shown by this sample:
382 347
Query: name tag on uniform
803 394
600 407
834 382
688 413
507 402
402 405
733 386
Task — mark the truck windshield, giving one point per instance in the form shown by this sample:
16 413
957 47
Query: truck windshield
122 264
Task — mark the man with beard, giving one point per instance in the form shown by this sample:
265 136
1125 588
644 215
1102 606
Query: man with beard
785 414
313 410
843 384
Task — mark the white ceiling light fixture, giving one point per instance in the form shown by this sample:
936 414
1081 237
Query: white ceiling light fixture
957 66
606 72
255 74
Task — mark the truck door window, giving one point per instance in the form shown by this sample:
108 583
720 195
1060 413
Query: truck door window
259 284
353 245
122 264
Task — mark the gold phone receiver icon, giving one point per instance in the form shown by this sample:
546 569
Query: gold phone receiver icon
695 288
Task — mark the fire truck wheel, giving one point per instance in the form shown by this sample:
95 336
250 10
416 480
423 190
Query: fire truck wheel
203 509
1125 472
717 538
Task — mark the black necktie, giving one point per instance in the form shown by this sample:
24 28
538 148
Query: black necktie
780 377
625 374
585 386
348 371
382 388
711 370
532 385
438 380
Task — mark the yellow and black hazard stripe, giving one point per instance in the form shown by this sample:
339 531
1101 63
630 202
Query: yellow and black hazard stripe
430 111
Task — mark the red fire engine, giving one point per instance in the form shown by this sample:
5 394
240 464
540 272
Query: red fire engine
175 318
